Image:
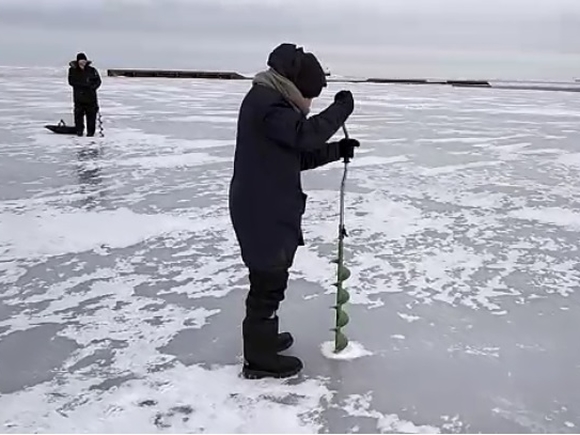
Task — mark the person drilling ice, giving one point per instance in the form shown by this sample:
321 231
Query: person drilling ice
275 142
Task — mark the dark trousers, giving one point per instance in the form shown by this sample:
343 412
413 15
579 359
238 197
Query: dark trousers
267 289
268 284
260 326
90 111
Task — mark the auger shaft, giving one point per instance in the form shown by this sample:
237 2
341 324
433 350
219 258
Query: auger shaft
100 121
342 296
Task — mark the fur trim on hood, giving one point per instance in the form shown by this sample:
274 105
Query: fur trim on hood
75 64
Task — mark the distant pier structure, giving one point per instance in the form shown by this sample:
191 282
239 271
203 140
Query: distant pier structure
176 74
572 86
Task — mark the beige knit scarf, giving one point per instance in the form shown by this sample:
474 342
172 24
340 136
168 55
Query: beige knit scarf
271 79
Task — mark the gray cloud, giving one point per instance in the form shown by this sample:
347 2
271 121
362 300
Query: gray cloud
501 38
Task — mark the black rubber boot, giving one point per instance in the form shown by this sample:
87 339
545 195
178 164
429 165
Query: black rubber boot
282 367
261 344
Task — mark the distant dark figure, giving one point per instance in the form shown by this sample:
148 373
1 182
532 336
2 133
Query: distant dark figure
85 81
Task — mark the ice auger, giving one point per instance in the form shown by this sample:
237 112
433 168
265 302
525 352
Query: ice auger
342 274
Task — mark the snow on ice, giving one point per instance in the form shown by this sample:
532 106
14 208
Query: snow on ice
121 286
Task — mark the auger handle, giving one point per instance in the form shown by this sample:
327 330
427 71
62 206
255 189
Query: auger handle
346 160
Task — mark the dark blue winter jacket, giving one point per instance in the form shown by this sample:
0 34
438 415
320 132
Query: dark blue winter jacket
85 83
274 144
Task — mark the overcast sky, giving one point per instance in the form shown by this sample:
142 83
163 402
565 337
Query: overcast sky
420 38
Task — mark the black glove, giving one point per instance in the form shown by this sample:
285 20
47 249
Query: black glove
346 148
345 97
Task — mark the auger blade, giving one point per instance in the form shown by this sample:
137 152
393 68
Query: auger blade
343 273
343 297
342 318
340 342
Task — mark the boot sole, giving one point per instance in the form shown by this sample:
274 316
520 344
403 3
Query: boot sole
260 374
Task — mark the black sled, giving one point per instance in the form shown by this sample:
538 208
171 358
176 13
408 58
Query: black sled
61 128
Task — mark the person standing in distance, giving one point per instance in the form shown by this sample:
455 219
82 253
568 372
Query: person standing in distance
85 80
275 142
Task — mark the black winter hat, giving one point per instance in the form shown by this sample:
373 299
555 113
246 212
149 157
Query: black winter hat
81 56
302 69
310 79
